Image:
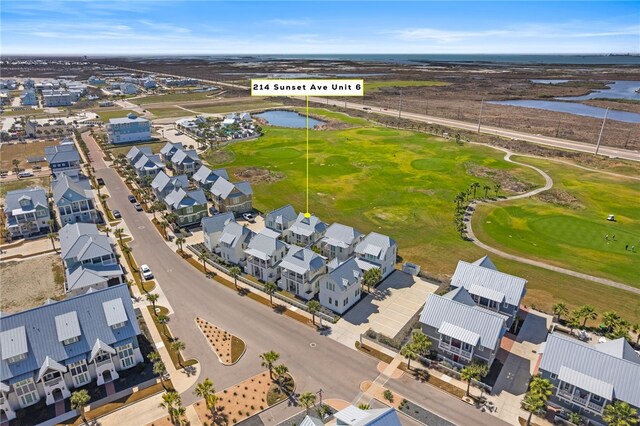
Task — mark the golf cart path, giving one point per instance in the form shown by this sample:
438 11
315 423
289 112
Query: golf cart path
548 185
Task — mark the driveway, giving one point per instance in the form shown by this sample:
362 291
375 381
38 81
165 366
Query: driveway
386 310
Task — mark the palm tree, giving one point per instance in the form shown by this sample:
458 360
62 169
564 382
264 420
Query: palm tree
486 190
281 372
179 242
610 319
313 306
107 230
268 359
372 277
202 257
586 312
118 233
474 186
153 298
559 309
207 391
270 287
177 346
308 399
536 398
16 163
573 322
158 206
127 252
52 237
234 271
164 224
636 329
620 414
171 401
160 369
163 319
79 400
153 356
421 342
51 222
409 351
473 371
496 188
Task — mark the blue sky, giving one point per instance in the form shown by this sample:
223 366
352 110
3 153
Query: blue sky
95 27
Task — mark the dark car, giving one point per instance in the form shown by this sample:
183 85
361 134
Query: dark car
116 214
138 207
100 181
132 199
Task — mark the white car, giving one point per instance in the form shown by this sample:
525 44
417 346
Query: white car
248 217
146 272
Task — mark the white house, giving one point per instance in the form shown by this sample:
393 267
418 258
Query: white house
73 198
300 270
340 288
234 240
212 227
128 129
305 231
264 254
377 251
26 212
340 241
280 219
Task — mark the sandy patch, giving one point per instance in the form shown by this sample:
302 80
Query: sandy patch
560 197
220 341
259 175
28 283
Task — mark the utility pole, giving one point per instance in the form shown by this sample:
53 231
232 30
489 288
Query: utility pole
627 141
480 119
558 129
400 109
604 120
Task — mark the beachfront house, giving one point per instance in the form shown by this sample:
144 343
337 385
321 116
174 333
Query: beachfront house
586 378
26 212
490 288
134 154
232 197
377 251
148 166
169 149
339 241
462 332
305 231
300 270
341 287
53 349
185 162
264 253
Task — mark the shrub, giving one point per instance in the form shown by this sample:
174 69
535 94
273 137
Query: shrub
371 334
388 395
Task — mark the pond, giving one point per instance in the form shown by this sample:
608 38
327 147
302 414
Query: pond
283 118
549 81
617 90
574 108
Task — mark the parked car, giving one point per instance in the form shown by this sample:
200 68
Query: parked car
24 175
248 217
138 207
132 199
179 133
146 272
100 181
213 211
116 214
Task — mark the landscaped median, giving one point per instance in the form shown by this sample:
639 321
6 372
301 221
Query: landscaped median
143 286
227 347
160 319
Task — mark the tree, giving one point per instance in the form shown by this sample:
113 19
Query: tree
163 319
474 187
107 230
118 233
234 271
620 414
281 372
313 306
164 224
586 312
153 356
421 342
636 329
409 351
372 277
51 222
79 400
170 402
153 298
559 309
52 237
496 188
268 359
473 371
160 369
158 206
575 418
177 346
202 257
207 391
270 287
536 398
16 163
486 190
610 319
179 242
308 399
364 406
127 252
573 322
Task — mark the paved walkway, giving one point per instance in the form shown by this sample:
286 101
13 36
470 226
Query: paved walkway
548 185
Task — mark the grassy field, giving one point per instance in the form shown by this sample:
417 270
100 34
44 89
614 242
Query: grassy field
22 112
155 147
21 151
105 116
567 226
172 97
235 106
355 121
169 112
12 185
377 85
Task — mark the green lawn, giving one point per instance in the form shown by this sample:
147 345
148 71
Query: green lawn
377 85
355 121
22 112
233 106
105 116
169 112
172 97
571 236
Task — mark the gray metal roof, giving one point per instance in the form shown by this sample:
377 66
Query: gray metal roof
170 147
36 197
163 181
311 421
485 261
70 189
459 333
308 226
114 311
206 176
222 188
136 152
564 351
66 152
50 364
14 342
486 292
339 235
461 295
588 383
375 244
180 198
42 336
149 162
486 324
211 224
619 348
283 216
345 274
353 416
244 187
185 156
67 326
264 246
131 118
302 260
82 241
234 233
89 275
467 274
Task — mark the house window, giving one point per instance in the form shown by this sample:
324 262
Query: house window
595 398
336 302
71 340
554 376
118 325
466 347
50 376
189 210
125 353
26 391
16 358
330 301
79 372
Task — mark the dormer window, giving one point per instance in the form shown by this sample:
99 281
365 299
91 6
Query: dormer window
70 340
118 325
17 358
25 201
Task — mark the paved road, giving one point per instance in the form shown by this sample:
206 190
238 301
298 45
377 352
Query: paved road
315 361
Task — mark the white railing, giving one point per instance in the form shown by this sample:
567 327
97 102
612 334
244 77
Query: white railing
458 351
595 407
53 382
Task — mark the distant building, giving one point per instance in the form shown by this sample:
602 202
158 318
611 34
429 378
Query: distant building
96 80
28 97
26 212
128 88
128 129
50 350
54 98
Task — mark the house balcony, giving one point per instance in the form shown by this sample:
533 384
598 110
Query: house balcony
586 403
454 350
